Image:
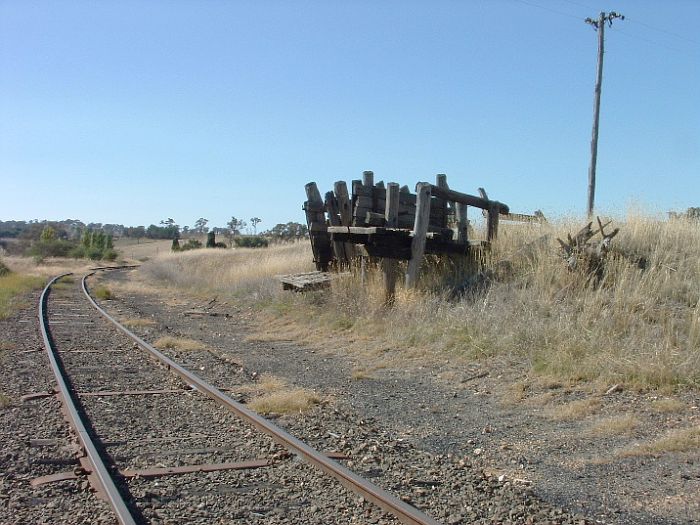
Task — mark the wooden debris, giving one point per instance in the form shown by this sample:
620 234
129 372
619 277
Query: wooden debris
304 282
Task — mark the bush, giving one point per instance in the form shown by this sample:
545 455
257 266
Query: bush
4 270
251 241
192 244
50 248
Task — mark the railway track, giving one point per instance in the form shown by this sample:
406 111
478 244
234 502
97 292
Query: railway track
162 445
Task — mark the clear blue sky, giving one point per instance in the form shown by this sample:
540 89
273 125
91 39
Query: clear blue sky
130 112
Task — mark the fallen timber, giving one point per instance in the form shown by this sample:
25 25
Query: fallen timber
392 224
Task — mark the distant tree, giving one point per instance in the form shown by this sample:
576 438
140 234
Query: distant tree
254 221
286 232
200 226
48 234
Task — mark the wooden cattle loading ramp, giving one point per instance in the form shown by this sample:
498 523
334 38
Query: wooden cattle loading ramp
392 224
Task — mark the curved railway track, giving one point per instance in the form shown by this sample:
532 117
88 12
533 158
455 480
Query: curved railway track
115 400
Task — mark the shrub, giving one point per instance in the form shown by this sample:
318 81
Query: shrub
4 270
103 293
192 244
251 241
50 248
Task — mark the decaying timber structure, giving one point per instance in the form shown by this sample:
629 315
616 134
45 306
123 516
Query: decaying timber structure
393 224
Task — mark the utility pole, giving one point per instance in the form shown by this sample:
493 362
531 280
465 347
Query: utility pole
598 25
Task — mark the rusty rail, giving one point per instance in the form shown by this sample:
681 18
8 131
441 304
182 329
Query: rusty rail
405 513
99 472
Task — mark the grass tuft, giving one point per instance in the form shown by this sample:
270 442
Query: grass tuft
574 410
683 440
615 425
294 401
104 293
178 343
5 401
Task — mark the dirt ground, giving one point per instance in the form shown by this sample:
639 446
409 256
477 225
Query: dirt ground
612 455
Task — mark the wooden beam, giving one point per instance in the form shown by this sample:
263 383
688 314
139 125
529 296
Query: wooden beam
470 200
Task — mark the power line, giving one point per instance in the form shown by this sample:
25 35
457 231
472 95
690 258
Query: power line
666 32
562 13
653 42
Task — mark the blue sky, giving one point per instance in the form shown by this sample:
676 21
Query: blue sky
131 112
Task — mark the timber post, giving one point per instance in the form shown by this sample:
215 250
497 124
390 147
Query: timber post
318 230
390 267
420 230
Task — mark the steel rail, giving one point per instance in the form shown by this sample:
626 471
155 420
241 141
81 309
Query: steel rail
404 512
99 469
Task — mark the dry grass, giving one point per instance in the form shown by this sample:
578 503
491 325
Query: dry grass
5 401
143 249
623 424
49 267
274 396
668 405
12 287
683 440
178 343
243 272
294 401
574 410
639 328
269 383
102 292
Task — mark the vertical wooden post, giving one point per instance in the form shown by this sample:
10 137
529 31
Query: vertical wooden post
368 179
334 218
345 211
462 222
420 229
344 204
441 182
492 223
390 267
596 115
318 233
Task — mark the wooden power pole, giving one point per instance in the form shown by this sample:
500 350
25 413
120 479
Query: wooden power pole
598 25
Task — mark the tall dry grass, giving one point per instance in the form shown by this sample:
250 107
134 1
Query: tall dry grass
241 272
640 326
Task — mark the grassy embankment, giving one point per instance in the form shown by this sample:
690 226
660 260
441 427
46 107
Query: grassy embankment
640 327
12 287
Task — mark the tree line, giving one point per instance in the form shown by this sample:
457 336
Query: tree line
72 229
